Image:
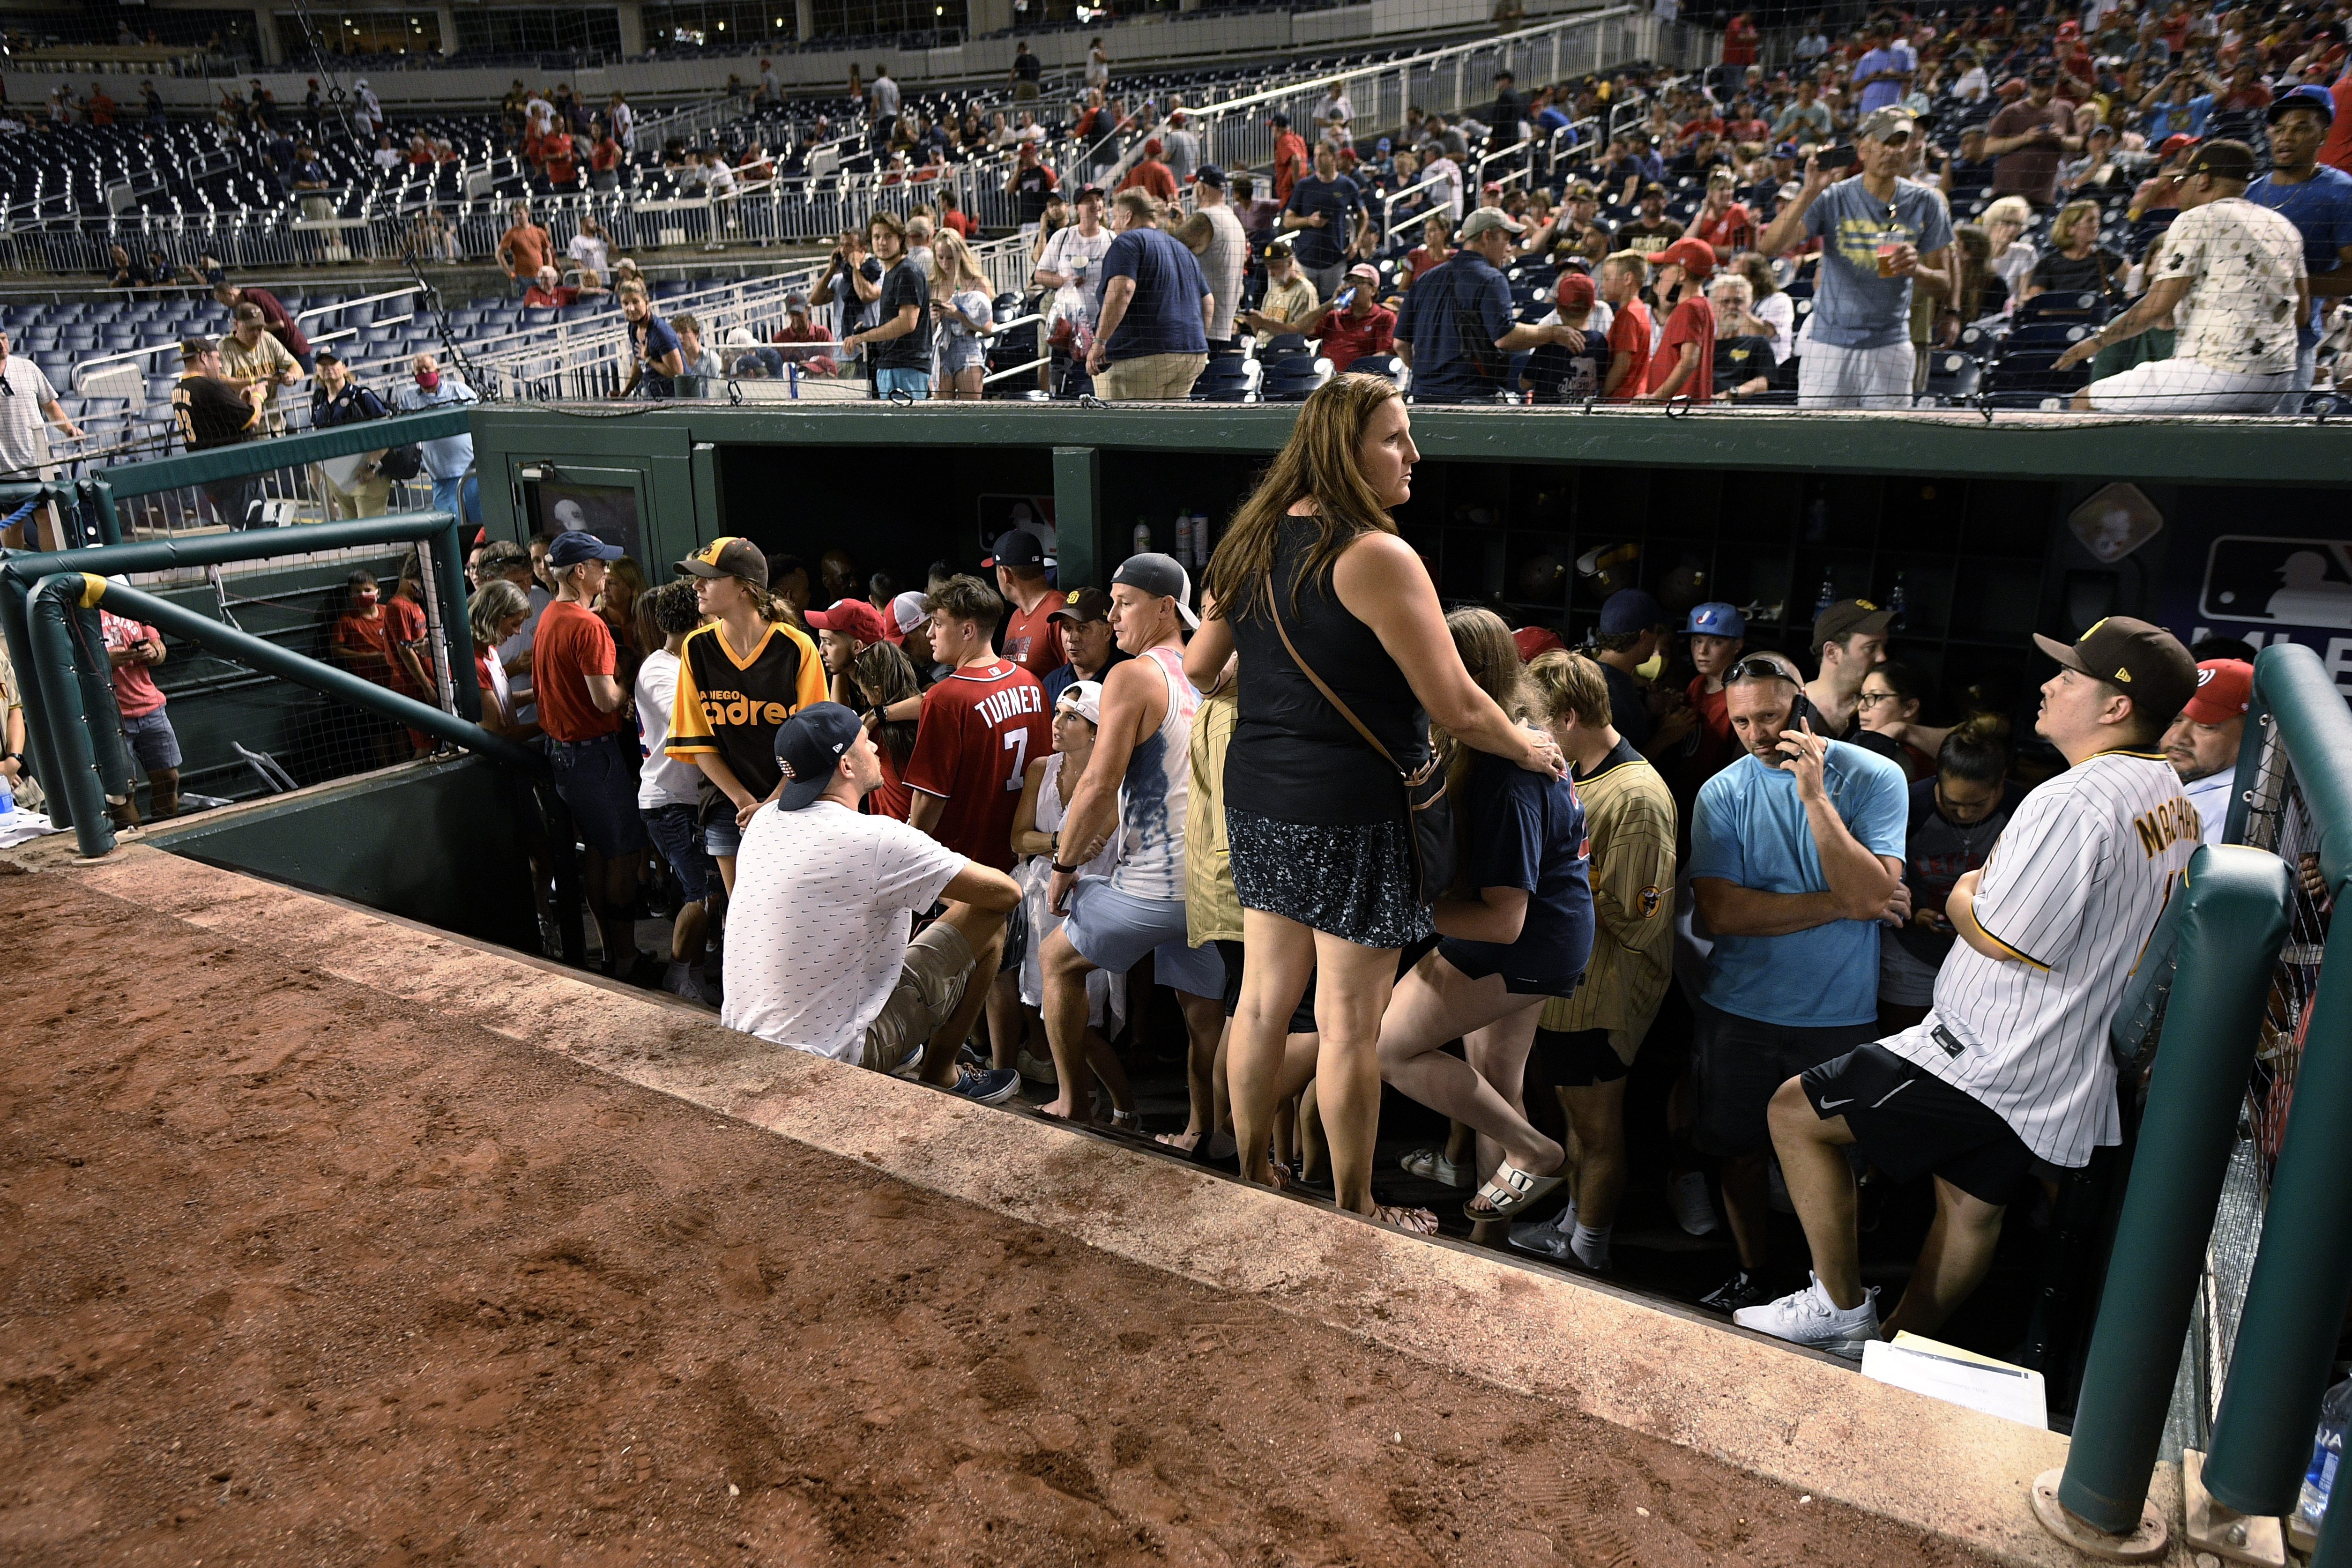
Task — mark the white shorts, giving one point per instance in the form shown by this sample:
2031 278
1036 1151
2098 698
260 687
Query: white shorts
2187 386
1831 377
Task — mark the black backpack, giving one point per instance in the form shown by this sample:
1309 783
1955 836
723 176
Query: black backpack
401 463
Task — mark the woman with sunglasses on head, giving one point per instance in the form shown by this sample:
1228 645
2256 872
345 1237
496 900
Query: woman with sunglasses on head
1313 576
1956 815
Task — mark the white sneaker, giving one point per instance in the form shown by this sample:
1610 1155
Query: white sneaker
1809 1317
1037 1069
1693 1210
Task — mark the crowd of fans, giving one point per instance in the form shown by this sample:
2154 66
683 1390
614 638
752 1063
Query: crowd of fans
967 833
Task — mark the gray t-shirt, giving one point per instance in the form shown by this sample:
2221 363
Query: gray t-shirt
1222 264
1854 308
23 430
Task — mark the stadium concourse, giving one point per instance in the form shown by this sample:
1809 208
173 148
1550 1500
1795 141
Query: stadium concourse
1718 1010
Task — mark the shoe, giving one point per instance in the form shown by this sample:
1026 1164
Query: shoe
1809 1317
1742 1290
1693 1210
1037 1069
989 1085
911 1068
678 980
967 1057
1431 1165
1547 1237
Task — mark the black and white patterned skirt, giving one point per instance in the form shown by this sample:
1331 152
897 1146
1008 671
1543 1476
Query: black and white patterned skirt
1352 879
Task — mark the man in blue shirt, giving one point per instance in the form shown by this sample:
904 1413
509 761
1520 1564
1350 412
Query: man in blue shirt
1326 218
1797 854
1879 232
448 459
2317 201
1454 330
1151 340
1883 73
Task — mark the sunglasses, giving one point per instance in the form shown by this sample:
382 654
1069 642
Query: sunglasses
1754 669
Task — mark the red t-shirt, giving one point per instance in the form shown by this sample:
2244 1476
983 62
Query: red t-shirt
1629 336
1032 641
1420 259
1290 165
1693 322
1716 746
571 643
1156 178
1347 339
959 220
135 692
979 728
1734 232
891 798
563 168
359 636
2336 150
406 619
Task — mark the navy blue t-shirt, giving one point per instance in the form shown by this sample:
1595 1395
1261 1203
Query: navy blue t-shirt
653 339
1338 200
1467 288
2321 210
1164 315
902 286
1527 831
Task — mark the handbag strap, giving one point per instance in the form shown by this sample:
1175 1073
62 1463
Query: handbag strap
1274 603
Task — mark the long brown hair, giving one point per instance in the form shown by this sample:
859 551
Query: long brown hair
1484 641
883 675
1319 463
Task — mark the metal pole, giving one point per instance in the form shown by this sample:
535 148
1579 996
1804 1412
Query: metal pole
53 665
2226 926
2302 1277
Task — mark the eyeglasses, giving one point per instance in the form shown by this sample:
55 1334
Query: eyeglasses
1872 699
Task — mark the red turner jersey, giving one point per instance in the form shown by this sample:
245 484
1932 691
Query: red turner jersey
979 728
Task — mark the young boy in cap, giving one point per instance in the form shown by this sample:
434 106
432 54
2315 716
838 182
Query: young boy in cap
1557 373
842 633
819 960
593 754
2008 1082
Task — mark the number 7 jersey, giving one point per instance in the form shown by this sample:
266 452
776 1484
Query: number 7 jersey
980 728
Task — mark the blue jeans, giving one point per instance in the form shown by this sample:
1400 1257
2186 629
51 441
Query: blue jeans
446 493
913 383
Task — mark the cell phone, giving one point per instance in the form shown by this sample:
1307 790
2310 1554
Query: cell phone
1838 157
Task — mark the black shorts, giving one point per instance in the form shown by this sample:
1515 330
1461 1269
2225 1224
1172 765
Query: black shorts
1740 1064
1472 960
1302 1017
1577 1059
1910 1122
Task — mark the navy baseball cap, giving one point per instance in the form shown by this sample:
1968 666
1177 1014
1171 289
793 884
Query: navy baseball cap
572 547
1716 619
1018 547
1786 150
1630 610
809 749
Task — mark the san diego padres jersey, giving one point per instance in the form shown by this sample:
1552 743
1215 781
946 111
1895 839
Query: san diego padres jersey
2072 891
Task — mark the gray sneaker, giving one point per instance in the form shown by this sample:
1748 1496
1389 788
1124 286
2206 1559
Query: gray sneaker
1547 1237
989 1085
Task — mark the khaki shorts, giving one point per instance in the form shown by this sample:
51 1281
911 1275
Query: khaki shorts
1154 378
939 964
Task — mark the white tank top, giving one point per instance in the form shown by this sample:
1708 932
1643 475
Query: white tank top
1153 796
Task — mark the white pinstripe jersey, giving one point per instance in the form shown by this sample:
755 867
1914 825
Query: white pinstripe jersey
2072 890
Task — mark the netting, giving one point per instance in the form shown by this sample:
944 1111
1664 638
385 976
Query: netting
244 734
2278 820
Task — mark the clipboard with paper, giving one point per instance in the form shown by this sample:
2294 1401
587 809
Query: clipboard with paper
1958 1377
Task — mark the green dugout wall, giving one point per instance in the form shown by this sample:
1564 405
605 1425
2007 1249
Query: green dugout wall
1991 529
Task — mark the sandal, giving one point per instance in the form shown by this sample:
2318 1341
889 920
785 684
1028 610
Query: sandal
1431 1165
1126 1120
1511 1191
1411 1221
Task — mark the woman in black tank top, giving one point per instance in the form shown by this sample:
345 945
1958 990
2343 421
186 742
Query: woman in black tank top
1314 815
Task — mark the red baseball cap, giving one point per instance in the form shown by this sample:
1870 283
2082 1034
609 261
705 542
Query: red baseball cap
1533 639
1573 292
2173 145
854 619
1693 255
2225 688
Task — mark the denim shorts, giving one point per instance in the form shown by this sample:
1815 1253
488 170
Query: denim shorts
672 829
152 741
1113 930
720 836
598 782
913 382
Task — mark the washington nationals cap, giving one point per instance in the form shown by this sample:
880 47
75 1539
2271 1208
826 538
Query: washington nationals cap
809 747
1630 610
853 618
2225 689
572 547
1850 618
2146 662
1018 547
1159 574
1716 619
728 555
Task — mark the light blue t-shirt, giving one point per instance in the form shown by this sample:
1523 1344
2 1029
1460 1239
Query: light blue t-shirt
1854 308
446 456
1749 828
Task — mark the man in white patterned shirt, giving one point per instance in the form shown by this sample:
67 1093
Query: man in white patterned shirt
2234 270
2009 1080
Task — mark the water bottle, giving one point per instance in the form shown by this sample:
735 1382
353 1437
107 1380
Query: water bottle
1827 597
1142 538
2326 1448
1184 539
7 798
1895 603
1200 547
1347 297
1817 522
